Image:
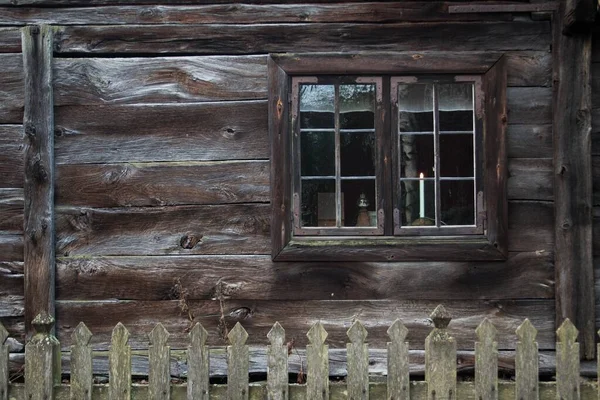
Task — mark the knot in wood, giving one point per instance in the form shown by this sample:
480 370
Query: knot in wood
39 171
190 241
30 130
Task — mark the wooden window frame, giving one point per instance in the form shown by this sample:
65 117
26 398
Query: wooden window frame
490 244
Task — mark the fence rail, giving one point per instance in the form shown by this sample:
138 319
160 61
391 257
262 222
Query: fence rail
42 367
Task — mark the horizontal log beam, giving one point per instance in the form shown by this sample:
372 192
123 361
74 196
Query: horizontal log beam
11 89
10 40
12 156
11 210
502 8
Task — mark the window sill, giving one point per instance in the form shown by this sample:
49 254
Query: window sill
426 248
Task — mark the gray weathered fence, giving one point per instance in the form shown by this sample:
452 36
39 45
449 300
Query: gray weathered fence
42 367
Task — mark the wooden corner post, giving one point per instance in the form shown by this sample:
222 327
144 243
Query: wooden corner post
572 126
38 122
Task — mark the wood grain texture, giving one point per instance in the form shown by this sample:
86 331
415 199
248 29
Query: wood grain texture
197 358
277 364
11 293
119 376
161 184
12 156
573 184
358 362
237 364
529 141
526 362
530 179
11 89
486 361
10 40
159 375
243 229
81 361
241 14
530 226
197 132
523 275
40 357
567 362
579 16
72 3
398 374
85 81
11 248
529 105
317 363
253 39
440 358
38 122
4 357
11 211
298 316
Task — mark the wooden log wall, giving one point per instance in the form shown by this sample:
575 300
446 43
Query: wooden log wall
596 164
162 174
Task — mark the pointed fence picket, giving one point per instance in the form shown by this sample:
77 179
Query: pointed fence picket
42 358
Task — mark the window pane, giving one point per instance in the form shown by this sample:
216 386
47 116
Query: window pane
316 106
455 106
415 108
317 153
317 207
357 106
456 155
357 154
416 156
458 202
359 202
418 202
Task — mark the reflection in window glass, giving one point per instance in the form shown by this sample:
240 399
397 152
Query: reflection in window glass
456 155
317 153
359 202
418 202
455 107
316 106
317 207
417 156
458 202
357 153
415 108
357 106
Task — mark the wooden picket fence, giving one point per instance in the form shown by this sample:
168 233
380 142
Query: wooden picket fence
42 367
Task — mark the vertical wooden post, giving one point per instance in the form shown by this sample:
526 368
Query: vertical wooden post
42 360
198 364
4 352
277 364
572 127
526 362
81 363
486 362
159 357
38 122
567 362
119 360
237 364
440 358
398 379
317 364
358 362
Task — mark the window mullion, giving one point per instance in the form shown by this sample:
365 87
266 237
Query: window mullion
338 185
436 153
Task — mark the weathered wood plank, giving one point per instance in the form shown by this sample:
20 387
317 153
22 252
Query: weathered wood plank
10 40
530 179
11 211
38 122
529 105
119 376
253 39
11 248
567 362
42 357
4 372
277 364
529 141
258 278
73 3
297 316
573 183
86 81
317 363
11 88
241 14
579 16
526 362
358 362
237 364
440 358
11 293
104 81
398 367
159 375
81 364
240 228
209 131
530 226
12 156
198 364
152 184
486 361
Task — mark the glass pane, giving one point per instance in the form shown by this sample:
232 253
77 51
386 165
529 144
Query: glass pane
357 106
317 153
317 207
359 202
418 202
415 108
458 202
317 106
357 154
416 156
455 106
456 155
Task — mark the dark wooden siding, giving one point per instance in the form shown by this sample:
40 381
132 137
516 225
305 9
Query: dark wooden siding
162 189
596 165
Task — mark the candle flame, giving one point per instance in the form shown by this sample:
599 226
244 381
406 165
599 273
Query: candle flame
421 175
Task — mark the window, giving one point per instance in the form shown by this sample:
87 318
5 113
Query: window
375 157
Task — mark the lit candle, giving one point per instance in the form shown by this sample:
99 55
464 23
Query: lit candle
421 196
